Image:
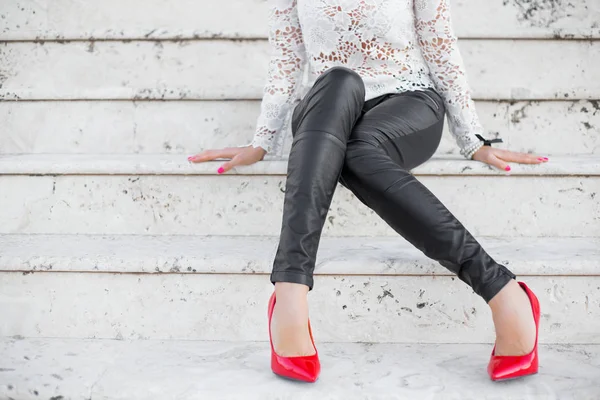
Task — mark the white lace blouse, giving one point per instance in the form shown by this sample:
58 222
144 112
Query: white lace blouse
394 45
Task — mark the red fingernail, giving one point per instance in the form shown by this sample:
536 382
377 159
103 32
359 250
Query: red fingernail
190 158
542 158
507 168
546 158
221 170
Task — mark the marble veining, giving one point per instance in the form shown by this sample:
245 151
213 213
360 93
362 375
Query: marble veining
192 370
380 309
254 254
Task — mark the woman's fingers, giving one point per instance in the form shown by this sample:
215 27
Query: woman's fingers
234 162
213 154
238 155
248 156
499 158
487 155
522 158
497 162
228 165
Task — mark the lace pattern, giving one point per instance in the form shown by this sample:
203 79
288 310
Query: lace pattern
284 73
394 45
439 48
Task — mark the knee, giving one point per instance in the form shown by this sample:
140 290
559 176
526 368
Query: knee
345 77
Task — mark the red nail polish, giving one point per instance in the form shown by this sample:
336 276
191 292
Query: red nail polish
542 158
507 168
190 158
546 158
221 170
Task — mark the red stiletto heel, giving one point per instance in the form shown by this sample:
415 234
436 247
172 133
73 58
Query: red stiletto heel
302 368
510 367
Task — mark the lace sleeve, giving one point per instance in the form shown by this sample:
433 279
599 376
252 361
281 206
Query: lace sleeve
440 50
284 74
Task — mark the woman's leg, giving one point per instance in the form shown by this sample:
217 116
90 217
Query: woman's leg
393 137
321 127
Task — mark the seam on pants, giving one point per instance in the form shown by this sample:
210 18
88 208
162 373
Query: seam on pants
399 180
329 134
381 145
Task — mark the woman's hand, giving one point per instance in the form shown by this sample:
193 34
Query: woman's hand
499 158
238 155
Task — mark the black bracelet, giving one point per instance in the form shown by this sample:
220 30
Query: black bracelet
488 142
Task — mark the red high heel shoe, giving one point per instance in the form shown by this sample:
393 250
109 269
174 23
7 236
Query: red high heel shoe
510 367
302 368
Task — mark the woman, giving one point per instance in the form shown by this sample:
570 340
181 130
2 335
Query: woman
381 76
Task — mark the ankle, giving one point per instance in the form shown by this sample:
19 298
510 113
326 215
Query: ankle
290 293
290 288
505 294
291 307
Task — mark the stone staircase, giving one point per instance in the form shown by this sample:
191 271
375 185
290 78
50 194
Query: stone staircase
128 273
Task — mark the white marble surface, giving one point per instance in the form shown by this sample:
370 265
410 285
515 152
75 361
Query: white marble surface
389 309
177 164
176 19
254 254
514 206
185 128
223 69
61 369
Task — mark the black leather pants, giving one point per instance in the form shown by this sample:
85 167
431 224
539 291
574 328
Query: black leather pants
370 147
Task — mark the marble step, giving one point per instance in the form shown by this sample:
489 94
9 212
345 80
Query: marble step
62 369
367 289
189 254
188 19
176 70
183 127
164 194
